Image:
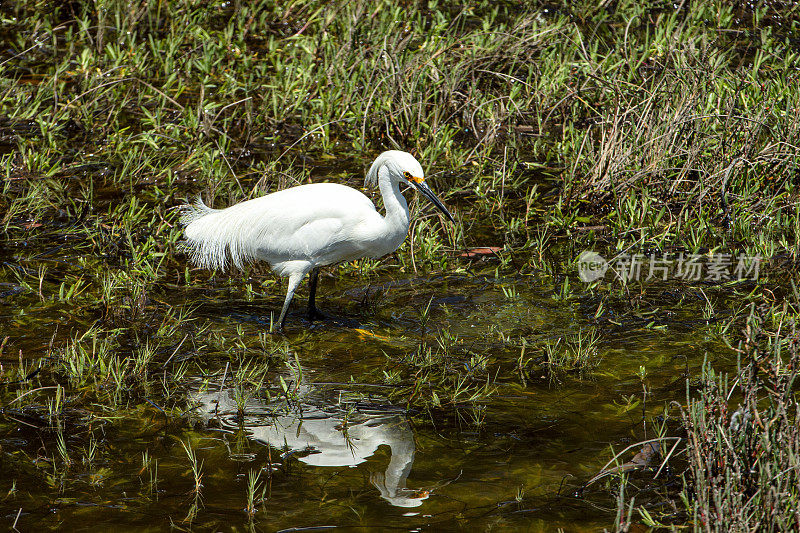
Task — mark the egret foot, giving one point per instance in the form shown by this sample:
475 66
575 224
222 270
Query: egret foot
322 320
341 322
315 314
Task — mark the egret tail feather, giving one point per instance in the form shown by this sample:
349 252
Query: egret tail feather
197 209
216 237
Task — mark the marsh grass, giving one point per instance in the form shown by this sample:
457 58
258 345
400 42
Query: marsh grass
577 354
740 454
442 375
672 132
728 479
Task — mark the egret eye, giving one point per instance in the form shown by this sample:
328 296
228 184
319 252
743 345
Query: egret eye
407 175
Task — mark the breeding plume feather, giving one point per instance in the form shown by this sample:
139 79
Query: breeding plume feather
300 229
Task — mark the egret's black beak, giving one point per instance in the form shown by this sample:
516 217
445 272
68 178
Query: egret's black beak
422 187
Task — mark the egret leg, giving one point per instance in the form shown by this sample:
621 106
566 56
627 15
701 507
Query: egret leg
313 312
294 281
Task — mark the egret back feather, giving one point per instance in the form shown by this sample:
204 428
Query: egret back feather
317 224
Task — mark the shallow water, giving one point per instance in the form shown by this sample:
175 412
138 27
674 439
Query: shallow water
424 403
337 449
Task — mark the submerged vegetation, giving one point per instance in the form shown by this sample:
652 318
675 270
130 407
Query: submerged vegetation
137 390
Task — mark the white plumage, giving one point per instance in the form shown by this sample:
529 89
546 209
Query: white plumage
301 229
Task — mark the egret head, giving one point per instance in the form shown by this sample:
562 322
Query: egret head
402 167
396 166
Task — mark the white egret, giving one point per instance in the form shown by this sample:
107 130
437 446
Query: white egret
300 229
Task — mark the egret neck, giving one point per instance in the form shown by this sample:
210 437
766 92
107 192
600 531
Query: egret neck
397 217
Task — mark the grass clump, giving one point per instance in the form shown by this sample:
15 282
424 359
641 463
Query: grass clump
744 459
440 375
576 353
740 444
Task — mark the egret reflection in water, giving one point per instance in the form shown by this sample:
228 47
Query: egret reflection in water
330 437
